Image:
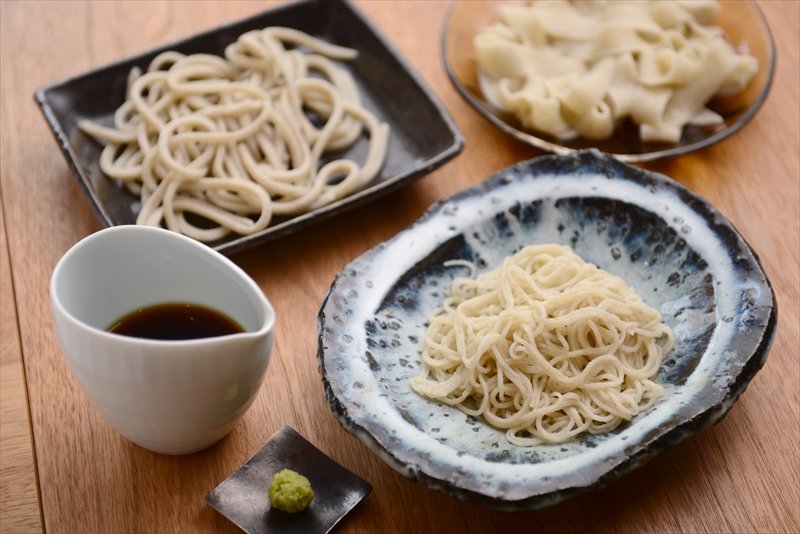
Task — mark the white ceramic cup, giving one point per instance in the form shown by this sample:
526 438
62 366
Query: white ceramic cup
172 397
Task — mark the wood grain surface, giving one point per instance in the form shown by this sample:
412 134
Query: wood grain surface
19 501
68 471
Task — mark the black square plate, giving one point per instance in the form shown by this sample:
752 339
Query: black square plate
243 497
423 136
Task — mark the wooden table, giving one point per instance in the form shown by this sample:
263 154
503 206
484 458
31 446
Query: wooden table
65 470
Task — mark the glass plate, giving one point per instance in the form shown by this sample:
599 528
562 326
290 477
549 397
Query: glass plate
742 21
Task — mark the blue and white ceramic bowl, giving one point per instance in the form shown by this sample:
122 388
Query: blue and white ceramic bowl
679 253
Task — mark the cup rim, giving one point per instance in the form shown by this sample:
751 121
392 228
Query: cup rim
267 325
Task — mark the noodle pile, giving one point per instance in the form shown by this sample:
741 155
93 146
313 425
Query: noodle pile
236 140
545 347
581 68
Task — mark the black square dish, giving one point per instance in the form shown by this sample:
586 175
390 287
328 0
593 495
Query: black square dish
243 496
423 136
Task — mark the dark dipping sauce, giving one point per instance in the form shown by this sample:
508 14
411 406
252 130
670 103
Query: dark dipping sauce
175 321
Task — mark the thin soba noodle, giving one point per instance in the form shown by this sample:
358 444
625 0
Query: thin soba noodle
545 347
236 140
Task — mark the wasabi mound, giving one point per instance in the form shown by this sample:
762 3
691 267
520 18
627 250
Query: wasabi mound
290 491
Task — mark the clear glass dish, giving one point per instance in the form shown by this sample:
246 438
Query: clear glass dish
742 21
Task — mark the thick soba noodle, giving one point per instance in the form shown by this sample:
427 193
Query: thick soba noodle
545 347
236 140
579 68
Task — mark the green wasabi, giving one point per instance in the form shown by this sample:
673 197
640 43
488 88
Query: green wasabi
290 491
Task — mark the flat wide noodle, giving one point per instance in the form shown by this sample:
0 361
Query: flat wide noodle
579 68
232 141
545 347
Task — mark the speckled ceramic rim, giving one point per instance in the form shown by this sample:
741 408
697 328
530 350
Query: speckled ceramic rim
710 404
554 148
